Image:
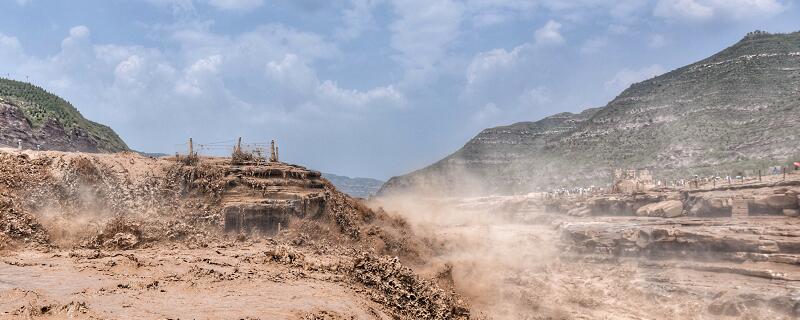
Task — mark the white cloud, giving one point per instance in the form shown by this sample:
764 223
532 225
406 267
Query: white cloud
252 50
486 64
489 111
618 29
263 76
534 97
505 84
686 9
196 77
424 30
549 34
627 10
657 41
625 77
236 5
329 93
703 10
9 44
129 69
594 45
485 13
357 19
300 87
11 54
76 34
178 7
291 72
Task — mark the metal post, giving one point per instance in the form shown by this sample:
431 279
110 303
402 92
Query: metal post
191 147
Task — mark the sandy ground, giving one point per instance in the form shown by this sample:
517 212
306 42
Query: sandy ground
224 282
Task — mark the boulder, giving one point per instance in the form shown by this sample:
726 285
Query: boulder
702 206
772 204
579 211
665 209
791 212
780 191
781 201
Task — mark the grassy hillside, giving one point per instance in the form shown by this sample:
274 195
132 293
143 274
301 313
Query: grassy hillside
39 106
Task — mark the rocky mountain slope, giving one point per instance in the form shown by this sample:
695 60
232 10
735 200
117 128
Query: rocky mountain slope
355 187
734 111
36 117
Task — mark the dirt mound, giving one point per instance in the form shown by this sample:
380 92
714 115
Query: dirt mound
119 201
17 225
383 278
398 286
128 202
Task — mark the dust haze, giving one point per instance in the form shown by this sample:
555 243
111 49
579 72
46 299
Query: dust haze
512 258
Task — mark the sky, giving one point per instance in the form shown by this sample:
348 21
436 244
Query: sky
368 88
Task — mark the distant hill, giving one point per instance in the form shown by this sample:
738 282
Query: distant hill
36 117
736 110
355 187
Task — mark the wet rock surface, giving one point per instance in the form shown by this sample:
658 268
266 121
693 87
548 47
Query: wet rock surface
746 267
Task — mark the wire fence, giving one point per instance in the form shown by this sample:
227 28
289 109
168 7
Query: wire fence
239 151
768 174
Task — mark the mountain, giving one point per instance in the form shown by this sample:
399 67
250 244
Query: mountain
735 111
36 117
355 187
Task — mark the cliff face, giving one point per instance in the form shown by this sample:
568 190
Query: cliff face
38 118
730 112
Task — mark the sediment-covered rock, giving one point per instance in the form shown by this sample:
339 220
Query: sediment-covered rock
664 209
411 296
701 205
771 204
693 237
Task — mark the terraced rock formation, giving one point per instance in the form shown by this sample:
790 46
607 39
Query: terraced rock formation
735 110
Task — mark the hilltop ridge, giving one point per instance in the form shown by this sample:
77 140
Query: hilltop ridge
735 110
35 117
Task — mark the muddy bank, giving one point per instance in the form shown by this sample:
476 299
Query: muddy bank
139 237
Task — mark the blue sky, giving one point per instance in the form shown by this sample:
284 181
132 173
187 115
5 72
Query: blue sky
369 88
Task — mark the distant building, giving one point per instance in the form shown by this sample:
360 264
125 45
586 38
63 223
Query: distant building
632 181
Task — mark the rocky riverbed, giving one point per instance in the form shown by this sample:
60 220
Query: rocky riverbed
521 257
